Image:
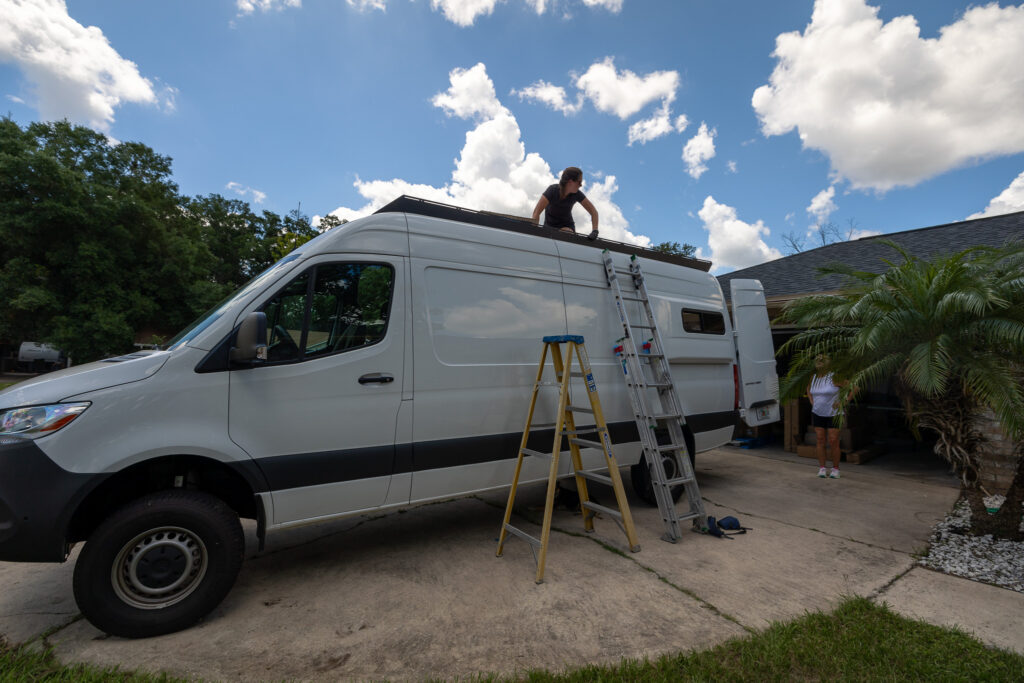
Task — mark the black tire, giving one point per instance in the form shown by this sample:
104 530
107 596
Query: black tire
640 476
159 564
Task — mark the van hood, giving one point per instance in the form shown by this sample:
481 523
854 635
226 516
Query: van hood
63 384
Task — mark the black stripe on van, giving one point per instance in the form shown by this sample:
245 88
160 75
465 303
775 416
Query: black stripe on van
328 467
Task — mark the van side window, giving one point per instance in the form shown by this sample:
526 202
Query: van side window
351 303
337 307
703 322
285 315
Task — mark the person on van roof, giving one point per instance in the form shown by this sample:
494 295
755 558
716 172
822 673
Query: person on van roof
557 201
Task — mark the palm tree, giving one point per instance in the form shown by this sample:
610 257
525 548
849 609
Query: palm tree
949 332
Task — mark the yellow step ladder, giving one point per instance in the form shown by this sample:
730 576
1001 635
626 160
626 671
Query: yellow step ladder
565 425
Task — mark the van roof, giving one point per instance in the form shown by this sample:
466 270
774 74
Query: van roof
424 207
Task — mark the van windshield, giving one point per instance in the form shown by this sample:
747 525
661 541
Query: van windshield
212 315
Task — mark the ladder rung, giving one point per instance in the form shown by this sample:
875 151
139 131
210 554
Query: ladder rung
678 480
575 373
658 385
592 475
589 505
587 443
538 454
547 425
632 298
643 327
523 535
670 447
667 416
579 409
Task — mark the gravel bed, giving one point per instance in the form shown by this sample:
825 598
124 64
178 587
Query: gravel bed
980 558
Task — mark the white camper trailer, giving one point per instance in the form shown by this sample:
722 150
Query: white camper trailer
387 362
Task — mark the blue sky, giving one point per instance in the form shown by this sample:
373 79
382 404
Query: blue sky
729 125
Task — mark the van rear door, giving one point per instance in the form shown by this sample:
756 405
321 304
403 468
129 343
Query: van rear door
755 354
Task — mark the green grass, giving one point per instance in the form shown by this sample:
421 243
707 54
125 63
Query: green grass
858 641
4 385
23 664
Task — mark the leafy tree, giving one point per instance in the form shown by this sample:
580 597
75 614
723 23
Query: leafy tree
676 249
289 234
950 333
330 221
93 249
98 245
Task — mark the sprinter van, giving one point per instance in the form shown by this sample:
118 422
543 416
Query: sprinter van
387 362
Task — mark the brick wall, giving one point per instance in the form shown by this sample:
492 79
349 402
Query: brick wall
998 468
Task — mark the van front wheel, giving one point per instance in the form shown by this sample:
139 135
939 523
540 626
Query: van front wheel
640 476
159 564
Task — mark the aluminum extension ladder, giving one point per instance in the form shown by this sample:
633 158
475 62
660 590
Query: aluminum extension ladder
565 425
653 411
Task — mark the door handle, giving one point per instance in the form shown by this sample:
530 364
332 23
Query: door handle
376 378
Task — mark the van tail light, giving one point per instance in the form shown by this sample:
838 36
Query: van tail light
736 387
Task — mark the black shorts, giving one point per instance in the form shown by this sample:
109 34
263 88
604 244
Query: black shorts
823 422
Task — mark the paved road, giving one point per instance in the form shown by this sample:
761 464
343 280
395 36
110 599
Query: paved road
420 593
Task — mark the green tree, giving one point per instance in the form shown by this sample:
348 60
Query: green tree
949 332
98 246
93 241
685 250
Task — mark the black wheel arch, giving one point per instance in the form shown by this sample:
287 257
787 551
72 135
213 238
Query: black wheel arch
236 484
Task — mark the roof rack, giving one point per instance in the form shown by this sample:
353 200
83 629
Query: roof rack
424 207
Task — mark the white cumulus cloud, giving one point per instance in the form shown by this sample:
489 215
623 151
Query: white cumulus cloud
493 172
250 6
610 5
658 125
698 150
464 12
460 12
1008 201
625 93
620 93
553 96
822 206
471 94
733 243
890 108
366 5
73 70
244 191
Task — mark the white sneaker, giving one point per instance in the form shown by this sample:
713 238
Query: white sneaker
833 475
822 472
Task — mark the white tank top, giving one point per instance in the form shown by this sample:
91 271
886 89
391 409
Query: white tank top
824 395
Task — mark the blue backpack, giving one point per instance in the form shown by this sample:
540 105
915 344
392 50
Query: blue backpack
719 527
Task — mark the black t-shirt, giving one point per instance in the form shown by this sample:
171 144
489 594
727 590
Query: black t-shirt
558 213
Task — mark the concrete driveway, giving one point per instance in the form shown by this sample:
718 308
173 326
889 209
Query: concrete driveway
420 593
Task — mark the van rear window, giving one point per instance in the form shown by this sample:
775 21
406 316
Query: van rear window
703 322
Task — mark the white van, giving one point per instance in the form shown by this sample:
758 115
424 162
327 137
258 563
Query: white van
38 357
389 361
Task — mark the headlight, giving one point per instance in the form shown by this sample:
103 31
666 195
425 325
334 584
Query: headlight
36 421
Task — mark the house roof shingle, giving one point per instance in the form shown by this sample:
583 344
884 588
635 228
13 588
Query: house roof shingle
797 274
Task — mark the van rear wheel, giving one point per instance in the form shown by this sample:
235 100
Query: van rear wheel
159 564
640 477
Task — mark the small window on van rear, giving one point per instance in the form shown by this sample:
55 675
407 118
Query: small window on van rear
703 322
333 308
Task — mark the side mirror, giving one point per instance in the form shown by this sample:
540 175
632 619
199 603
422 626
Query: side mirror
250 342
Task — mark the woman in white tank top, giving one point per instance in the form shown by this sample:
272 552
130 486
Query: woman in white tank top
824 395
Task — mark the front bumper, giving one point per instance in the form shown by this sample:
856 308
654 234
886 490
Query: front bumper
37 499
